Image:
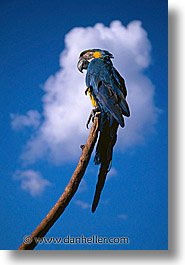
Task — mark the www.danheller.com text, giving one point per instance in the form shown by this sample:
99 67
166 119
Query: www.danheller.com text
94 239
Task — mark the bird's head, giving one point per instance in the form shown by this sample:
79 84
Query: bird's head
88 55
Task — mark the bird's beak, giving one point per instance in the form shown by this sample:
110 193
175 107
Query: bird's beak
82 64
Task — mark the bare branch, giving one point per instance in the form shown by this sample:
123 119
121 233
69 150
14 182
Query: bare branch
69 192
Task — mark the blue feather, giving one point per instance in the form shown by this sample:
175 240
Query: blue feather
107 88
109 91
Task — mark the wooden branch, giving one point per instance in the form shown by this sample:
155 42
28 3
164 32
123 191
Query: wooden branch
68 194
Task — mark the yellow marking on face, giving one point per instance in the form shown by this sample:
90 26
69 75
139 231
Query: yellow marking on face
92 99
97 54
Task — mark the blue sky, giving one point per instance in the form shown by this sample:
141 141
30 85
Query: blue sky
134 200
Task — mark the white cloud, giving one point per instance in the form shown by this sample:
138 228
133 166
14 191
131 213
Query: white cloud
82 204
31 181
112 173
65 106
31 119
123 216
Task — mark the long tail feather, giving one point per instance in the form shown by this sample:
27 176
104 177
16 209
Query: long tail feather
104 150
100 184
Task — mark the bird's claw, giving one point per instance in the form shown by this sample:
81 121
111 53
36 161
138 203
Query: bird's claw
86 91
92 116
89 89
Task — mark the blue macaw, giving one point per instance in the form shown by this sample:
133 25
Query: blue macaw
107 91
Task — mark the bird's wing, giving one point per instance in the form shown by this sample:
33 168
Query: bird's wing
120 81
109 100
100 77
118 84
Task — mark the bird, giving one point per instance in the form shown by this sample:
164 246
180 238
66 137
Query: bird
107 91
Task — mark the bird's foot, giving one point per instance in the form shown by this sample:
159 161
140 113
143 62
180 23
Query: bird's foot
89 89
92 115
